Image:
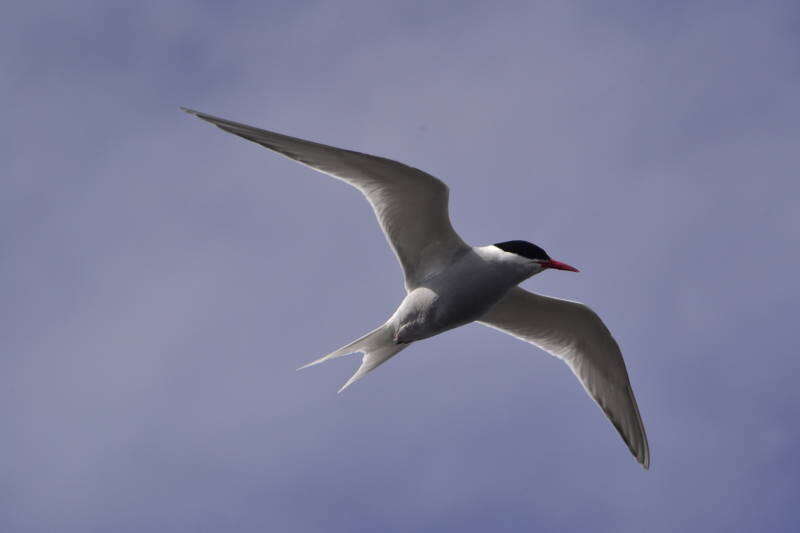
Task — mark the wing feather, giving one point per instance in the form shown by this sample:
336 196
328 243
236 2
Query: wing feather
574 333
411 205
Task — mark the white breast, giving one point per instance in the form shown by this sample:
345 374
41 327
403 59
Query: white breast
460 294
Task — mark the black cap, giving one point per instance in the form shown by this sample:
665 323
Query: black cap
523 248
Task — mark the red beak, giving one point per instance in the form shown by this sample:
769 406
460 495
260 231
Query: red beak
558 265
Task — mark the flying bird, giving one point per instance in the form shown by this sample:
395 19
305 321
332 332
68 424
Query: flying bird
450 283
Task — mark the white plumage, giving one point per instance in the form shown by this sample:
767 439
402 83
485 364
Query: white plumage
449 284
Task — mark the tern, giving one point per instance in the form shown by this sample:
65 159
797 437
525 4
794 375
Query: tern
450 283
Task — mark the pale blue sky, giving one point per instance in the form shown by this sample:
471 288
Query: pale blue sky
162 280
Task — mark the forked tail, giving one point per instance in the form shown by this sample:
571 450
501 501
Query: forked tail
377 346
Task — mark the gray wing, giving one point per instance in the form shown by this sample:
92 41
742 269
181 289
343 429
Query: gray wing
574 333
411 206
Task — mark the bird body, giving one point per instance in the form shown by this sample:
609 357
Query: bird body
460 293
450 284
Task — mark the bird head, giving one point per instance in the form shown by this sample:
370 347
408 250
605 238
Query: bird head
532 257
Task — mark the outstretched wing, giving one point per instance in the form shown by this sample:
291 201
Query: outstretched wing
574 333
411 205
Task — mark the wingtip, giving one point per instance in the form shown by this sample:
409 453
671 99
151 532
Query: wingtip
643 457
